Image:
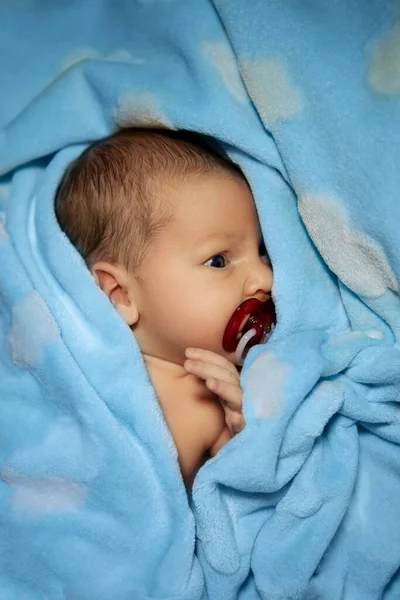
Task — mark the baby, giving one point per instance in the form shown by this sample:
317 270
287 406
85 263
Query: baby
169 230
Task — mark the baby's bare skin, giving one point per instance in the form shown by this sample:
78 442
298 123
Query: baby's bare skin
176 249
196 421
201 267
199 420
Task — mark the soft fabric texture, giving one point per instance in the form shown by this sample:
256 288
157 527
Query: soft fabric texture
304 503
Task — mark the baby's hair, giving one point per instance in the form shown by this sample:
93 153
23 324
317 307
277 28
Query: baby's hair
109 202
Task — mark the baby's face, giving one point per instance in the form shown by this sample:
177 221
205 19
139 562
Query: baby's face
208 260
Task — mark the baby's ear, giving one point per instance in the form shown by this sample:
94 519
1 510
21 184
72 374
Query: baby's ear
116 283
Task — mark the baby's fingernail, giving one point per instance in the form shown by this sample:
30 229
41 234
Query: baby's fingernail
191 351
238 427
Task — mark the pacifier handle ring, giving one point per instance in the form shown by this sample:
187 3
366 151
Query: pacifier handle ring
242 344
244 310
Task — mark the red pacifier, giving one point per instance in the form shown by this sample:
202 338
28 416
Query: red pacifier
251 324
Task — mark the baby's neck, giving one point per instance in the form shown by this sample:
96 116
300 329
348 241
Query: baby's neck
194 416
168 377
160 366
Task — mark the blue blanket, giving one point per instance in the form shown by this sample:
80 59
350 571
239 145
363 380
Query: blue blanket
304 503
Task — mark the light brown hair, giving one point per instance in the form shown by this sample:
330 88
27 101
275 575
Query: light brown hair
109 202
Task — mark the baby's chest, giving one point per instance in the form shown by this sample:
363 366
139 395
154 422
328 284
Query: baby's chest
195 423
194 420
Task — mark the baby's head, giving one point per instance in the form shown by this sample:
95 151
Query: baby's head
113 199
156 215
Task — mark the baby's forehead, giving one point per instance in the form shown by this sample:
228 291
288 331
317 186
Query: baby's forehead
212 204
229 233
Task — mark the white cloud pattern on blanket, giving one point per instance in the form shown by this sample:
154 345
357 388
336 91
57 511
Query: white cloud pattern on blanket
384 71
271 88
32 325
266 398
3 232
42 494
223 60
361 263
139 109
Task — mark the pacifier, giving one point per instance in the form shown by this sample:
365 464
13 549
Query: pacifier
252 323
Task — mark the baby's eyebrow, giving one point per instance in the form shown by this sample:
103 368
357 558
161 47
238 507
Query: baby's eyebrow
231 236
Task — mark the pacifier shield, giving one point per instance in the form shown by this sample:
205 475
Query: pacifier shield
251 314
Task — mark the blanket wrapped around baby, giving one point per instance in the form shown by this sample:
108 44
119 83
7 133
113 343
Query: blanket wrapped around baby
305 502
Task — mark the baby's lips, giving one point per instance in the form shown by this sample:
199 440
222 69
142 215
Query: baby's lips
258 316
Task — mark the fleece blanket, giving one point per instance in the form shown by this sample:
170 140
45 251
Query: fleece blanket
305 502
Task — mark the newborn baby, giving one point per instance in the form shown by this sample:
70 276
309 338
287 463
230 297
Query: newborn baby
169 230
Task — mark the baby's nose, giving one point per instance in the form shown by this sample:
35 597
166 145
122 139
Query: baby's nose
259 283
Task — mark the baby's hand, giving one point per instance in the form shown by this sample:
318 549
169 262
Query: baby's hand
222 378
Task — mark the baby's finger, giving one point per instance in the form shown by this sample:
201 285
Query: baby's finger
235 422
205 370
211 357
231 395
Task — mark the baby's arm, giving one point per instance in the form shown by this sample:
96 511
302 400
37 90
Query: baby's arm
221 378
223 438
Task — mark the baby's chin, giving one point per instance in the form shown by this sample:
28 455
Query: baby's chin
231 356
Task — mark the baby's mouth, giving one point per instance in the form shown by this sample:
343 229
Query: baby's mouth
251 324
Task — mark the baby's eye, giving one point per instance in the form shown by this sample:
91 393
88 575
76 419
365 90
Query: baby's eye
218 261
